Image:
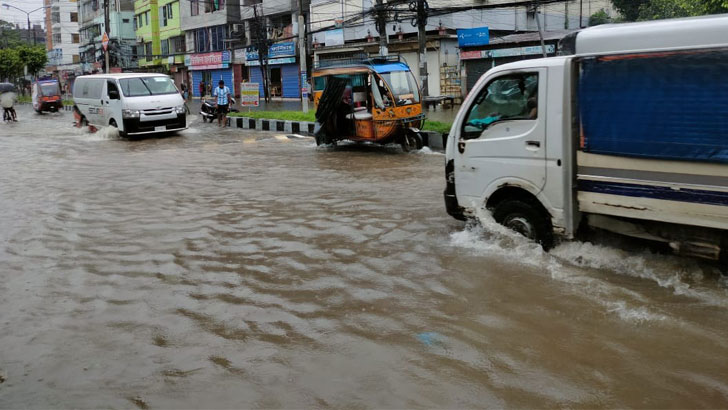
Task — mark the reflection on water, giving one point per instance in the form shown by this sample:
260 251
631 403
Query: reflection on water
223 269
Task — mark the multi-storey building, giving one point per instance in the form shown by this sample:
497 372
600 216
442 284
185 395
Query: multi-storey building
278 21
446 67
208 28
122 40
63 38
160 40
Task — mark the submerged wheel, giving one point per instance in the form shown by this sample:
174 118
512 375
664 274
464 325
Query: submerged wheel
527 219
411 141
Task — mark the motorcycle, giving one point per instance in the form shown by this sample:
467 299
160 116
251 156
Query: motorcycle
208 109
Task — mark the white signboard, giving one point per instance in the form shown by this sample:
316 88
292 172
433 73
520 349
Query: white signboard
334 37
249 94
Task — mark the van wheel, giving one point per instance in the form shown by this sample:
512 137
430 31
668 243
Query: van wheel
527 219
113 124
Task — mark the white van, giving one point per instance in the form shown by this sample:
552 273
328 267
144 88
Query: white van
135 103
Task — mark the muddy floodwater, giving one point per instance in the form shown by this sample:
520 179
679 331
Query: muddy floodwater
223 268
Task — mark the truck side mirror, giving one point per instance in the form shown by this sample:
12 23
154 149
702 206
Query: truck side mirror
114 95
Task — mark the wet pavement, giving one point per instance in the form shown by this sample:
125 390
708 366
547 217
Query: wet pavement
227 269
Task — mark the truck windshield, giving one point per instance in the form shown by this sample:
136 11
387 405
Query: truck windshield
403 86
141 86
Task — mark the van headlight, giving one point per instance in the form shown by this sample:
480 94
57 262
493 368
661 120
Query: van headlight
180 109
130 113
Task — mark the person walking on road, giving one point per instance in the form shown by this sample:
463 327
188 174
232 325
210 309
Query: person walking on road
202 90
222 92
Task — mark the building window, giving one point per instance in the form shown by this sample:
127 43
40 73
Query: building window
57 38
217 36
76 59
165 47
177 44
202 43
74 17
75 38
125 20
165 14
195 5
135 23
148 47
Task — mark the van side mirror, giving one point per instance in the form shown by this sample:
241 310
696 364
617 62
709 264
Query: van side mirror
114 95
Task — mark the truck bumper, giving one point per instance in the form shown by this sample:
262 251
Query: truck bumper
453 208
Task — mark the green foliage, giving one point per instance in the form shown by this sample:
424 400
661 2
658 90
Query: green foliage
633 10
600 17
629 9
34 57
9 36
11 66
13 60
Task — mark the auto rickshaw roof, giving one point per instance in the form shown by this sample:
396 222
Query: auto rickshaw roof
389 67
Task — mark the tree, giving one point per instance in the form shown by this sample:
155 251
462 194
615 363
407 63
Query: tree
630 9
600 17
34 57
9 35
11 66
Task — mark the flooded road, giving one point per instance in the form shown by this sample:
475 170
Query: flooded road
229 269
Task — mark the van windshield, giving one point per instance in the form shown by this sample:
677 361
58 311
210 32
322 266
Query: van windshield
141 86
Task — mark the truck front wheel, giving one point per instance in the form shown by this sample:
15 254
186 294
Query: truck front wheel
527 219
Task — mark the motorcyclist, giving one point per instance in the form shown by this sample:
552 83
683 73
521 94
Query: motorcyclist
8 100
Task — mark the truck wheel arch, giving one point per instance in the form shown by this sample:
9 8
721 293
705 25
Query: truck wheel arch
518 199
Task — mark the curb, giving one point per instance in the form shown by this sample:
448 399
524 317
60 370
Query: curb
430 139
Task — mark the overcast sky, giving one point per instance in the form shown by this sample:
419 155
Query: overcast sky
14 16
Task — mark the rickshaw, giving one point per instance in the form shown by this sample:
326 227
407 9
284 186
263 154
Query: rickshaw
375 100
46 96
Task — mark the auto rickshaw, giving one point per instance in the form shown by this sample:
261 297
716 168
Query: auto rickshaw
46 96
375 100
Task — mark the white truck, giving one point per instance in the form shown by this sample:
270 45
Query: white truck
627 133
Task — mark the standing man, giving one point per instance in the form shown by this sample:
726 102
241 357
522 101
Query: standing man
202 90
223 99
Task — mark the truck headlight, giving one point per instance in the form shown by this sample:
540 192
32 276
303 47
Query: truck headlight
180 109
130 113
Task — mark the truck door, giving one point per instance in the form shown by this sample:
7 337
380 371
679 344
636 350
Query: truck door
503 135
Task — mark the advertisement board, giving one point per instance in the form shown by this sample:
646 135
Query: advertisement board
471 37
249 94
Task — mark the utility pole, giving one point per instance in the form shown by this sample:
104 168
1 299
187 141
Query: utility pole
540 32
302 55
108 33
422 9
261 43
28 15
581 13
382 28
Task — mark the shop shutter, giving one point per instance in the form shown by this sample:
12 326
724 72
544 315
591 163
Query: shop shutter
256 77
196 79
474 70
290 82
225 75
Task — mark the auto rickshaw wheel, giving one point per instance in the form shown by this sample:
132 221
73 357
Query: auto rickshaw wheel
411 140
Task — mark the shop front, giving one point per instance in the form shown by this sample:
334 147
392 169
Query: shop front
284 71
209 68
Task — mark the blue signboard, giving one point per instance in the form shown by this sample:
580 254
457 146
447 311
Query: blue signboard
286 49
471 37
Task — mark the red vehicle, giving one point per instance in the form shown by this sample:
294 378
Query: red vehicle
47 96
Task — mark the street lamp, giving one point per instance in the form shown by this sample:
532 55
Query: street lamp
27 14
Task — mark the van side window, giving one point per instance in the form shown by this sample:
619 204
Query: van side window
111 86
511 97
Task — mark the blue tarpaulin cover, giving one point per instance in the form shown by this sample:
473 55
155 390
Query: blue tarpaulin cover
666 106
